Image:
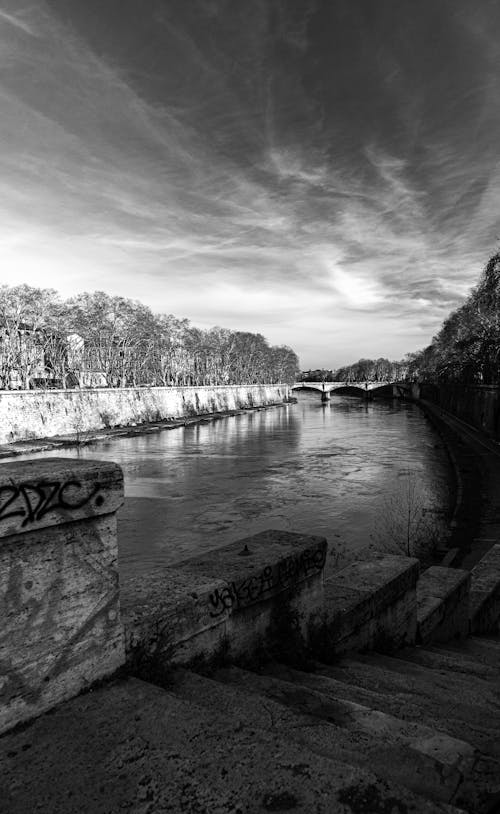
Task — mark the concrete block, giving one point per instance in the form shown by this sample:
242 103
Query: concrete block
485 593
442 604
60 627
36 494
227 603
449 557
368 605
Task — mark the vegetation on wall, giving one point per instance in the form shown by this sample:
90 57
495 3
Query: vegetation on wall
95 339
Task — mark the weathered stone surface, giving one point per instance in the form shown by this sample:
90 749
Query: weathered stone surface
465 705
485 593
134 747
442 604
350 732
482 651
462 656
450 557
60 617
40 493
368 604
227 598
429 713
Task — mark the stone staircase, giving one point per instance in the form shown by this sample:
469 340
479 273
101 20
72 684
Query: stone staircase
427 720
414 732
239 681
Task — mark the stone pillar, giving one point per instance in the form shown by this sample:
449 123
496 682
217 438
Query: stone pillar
60 627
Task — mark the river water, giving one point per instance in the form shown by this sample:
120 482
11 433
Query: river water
306 467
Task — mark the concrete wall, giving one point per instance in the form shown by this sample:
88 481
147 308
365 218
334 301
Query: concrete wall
33 414
254 596
485 593
265 597
368 605
442 604
478 405
60 627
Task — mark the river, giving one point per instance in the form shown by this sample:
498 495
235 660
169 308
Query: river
317 469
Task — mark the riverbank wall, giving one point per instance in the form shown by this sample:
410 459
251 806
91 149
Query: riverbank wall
475 455
31 414
477 405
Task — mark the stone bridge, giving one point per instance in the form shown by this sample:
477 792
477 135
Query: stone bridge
366 389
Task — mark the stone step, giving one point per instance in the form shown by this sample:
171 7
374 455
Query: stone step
481 785
461 660
485 593
442 604
483 649
366 603
418 757
465 708
133 746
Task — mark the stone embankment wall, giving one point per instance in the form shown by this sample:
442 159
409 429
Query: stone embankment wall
31 414
478 405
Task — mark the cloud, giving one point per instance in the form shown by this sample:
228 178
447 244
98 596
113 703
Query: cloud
16 22
218 164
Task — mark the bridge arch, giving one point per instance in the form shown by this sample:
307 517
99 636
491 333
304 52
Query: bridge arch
368 388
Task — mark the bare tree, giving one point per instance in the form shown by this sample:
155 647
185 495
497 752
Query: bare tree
405 524
94 338
26 321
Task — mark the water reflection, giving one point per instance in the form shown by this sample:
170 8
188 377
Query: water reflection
308 467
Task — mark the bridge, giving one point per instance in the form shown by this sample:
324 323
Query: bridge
366 389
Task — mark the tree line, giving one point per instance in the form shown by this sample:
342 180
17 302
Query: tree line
94 339
374 370
467 348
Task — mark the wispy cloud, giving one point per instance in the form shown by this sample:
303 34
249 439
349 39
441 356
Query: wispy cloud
244 168
17 22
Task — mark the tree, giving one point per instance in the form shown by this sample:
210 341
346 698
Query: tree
405 525
28 316
284 365
467 347
116 334
95 338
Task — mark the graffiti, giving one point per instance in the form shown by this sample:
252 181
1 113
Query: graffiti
34 650
242 593
32 501
287 572
222 600
303 565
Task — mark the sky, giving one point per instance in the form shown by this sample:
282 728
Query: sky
323 172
